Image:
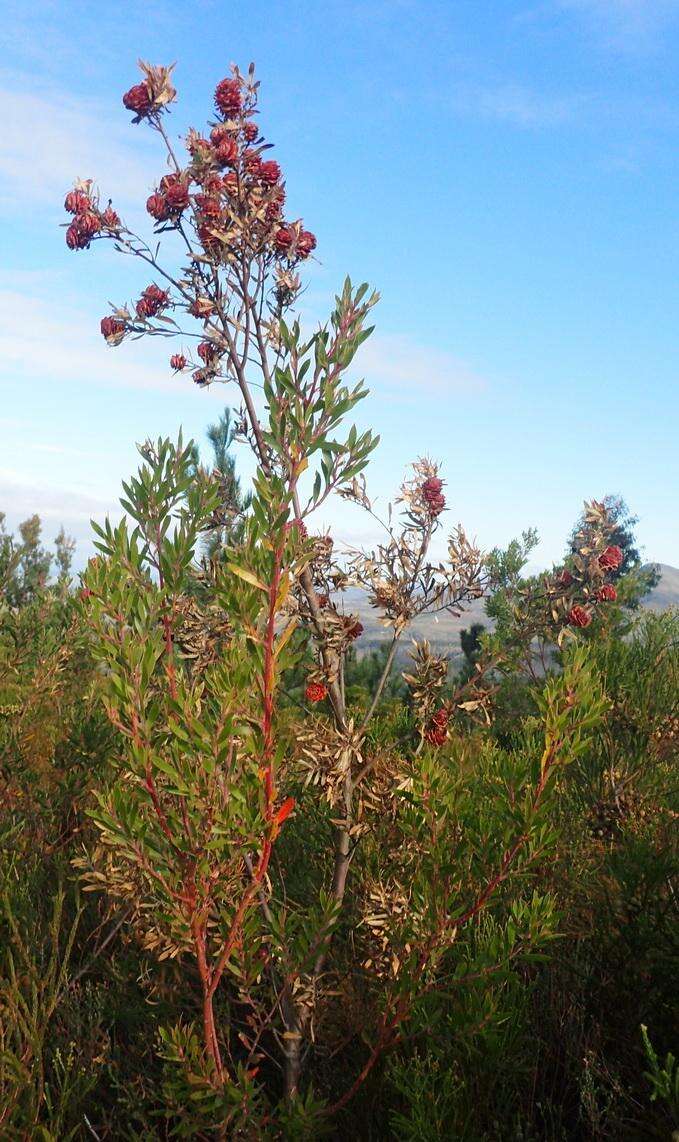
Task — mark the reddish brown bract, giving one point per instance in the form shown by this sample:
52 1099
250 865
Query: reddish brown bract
138 99
77 201
152 300
306 243
226 152
579 616
207 351
436 735
610 559
112 328
431 494
607 593
110 219
315 692
228 98
178 362
283 239
157 207
177 197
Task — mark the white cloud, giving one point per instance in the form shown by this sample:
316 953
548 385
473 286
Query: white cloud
518 104
49 138
629 26
395 362
57 506
58 341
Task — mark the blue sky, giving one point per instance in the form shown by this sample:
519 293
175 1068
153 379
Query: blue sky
505 173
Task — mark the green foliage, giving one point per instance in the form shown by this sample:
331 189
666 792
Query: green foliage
663 1077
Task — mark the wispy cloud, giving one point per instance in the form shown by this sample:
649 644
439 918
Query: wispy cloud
402 366
57 507
49 138
518 104
628 26
52 339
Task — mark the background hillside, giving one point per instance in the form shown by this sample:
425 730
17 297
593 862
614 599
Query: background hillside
443 631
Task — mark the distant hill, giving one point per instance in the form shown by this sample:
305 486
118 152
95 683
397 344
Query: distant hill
666 594
443 632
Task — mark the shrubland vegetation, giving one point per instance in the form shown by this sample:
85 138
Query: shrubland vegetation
256 885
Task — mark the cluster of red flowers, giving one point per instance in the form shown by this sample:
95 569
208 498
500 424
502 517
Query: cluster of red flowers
152 300
609 560
88 221
233 195
436 732
170 199
316 691
251 187
433 496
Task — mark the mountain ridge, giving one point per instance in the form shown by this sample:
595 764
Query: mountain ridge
443 631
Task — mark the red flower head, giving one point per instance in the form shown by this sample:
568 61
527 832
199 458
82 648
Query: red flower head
208 241
77 201
354 629
110 219
152 300
219 133
253 163
322 601
169 180
565 578
207 351
579 616
138 99
270 172
82 229
441 717
250 131
283 239
231 184
208 207
228 98
112 328
306 243
436 735
431 494
75 239
316 691
201 307
157 207
274 208
197 145
177 197
226 152
610 559
88 223
607 593
213 183
200 378
178 362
